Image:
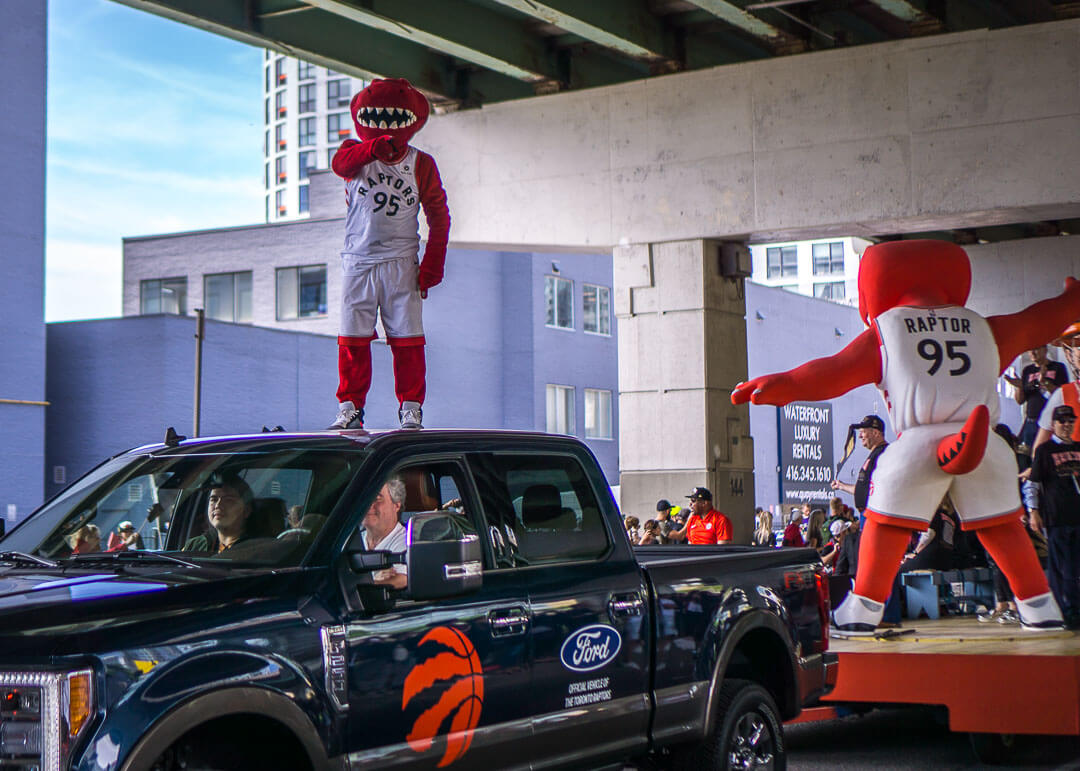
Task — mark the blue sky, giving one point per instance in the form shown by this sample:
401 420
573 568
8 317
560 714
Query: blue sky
153 127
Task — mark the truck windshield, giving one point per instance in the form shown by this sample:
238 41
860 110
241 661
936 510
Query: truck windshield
260 506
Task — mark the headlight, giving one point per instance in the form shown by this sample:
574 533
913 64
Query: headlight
41 716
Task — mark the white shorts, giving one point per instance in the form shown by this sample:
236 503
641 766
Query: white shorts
387 287
907 485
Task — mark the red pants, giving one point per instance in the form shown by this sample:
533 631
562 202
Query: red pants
354 369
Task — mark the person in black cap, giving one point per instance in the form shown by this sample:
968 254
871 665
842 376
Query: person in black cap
1055 473
872 436
705 525
664 518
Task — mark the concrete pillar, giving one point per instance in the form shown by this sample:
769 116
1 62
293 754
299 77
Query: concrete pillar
682 348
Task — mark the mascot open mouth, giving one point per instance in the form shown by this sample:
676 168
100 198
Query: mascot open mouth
385 117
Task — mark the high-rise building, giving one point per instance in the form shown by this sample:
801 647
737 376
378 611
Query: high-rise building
826 268
305 119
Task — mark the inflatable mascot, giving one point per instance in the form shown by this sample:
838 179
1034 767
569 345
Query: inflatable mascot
387 182
936 364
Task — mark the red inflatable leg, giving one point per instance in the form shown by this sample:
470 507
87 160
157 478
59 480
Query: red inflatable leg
1011 549
881 548
410 372
354 370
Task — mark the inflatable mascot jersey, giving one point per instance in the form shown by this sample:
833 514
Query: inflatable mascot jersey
936 364
387 182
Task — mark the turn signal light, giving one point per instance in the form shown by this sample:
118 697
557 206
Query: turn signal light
80 702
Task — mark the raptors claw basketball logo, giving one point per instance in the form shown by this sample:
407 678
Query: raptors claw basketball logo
463 698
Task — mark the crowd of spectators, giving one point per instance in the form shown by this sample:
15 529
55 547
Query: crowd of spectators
697 524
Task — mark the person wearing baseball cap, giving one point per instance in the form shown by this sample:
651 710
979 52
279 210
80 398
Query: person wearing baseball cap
1055 473
872 436
705 525
1068 393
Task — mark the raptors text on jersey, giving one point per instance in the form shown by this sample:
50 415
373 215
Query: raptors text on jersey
937 365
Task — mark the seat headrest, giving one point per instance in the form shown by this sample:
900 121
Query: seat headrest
540 505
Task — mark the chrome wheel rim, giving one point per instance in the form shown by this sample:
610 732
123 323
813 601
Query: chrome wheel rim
751 745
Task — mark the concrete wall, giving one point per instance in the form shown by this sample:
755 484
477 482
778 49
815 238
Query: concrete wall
22 257
974 127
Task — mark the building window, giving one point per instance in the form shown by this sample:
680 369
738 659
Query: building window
307 98
337 94
266 143
268 208
833 290
783 261
268 87
597 309
279 103
279 169
279 136
227 296
279 202
828 258
559 297
337 127
597 414
266 110
303 207
267 177
307 163
560 409
279 70
163 295
301 292
305 70
307 132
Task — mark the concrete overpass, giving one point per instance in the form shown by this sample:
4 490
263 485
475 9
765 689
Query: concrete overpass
662 129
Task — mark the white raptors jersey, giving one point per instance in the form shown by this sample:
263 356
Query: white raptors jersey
937 365
382 222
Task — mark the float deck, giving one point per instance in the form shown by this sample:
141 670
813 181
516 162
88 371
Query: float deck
992 678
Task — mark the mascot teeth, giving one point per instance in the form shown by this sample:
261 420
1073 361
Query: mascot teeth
383 118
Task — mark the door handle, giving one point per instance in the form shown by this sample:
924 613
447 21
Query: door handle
622 605
508 622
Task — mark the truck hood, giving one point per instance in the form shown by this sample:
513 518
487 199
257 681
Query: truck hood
47 605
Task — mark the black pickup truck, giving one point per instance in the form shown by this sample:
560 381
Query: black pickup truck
529 634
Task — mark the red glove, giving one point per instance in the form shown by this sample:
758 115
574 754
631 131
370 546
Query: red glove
428 278
384 149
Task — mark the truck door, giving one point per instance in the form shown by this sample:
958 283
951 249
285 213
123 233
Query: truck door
590 640
439 683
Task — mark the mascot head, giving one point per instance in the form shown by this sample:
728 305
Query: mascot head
921 273
389 108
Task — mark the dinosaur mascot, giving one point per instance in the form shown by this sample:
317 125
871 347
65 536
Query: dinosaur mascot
387 183
936 364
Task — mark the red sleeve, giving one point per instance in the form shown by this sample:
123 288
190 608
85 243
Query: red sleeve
858 364
351 157
1036 325
433 202
723 528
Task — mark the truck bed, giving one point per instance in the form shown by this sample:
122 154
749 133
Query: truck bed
992 678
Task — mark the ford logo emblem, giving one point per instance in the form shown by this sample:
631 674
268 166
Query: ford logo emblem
590 648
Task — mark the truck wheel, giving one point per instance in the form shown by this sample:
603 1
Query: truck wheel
993 749
748 732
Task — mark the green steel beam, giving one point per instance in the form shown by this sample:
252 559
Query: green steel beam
314 35
460 29
744 20
901 9
626 26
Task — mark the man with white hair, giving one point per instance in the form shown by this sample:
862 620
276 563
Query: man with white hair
383 530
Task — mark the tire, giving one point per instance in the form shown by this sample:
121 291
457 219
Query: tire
748 733
993 749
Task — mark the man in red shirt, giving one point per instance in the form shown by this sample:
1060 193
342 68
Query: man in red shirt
705 524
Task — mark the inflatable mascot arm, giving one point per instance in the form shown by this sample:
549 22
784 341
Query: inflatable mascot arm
387 114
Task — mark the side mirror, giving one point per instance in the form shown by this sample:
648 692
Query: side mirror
442 555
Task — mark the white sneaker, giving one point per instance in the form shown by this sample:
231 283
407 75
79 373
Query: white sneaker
410 415
857 615
348 417
1040 613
